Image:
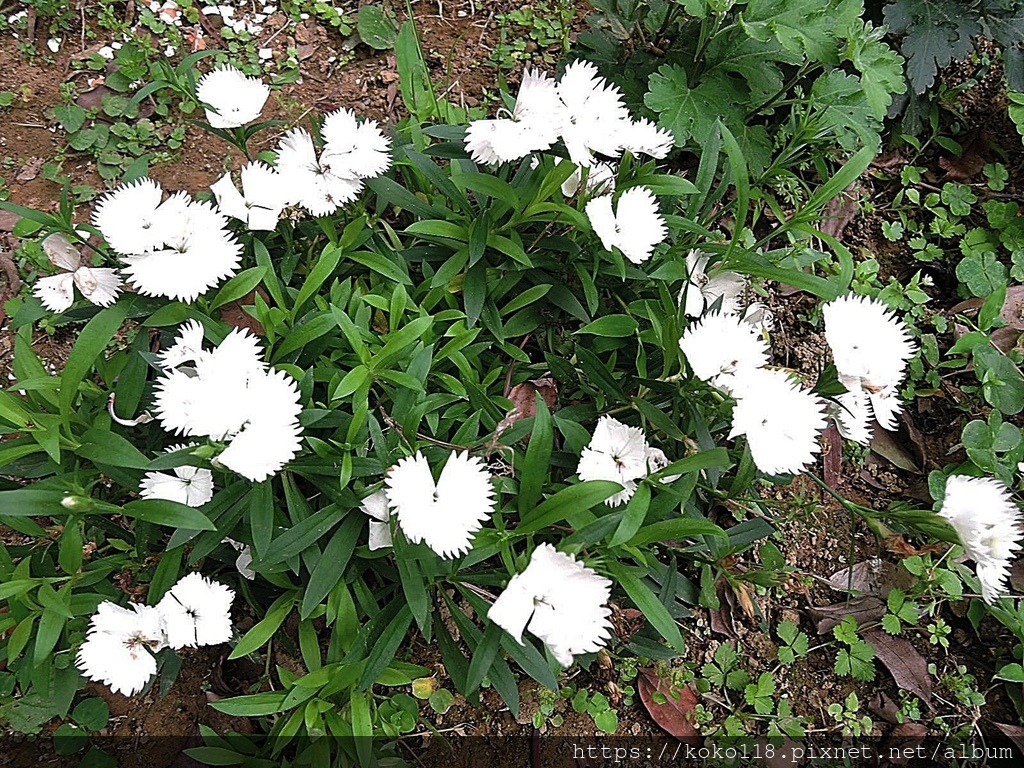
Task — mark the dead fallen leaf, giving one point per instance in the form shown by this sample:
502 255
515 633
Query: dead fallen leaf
903 548
885 445
233 313
840 211
8 220
884 707
524 402
971 161
901 743
30 170
863 609
1014 732
904 662
675 715
872 577
722 620
832 455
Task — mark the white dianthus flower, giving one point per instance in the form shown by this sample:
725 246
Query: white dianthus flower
635 227
720 347
703 290
230 394
644 137
618 453
355 148
196 611
313 182
560 601
178 248
782 422
188 485
988 524
129 217
443 514
870 347
592 113
533 124
235 98
261 200
119 648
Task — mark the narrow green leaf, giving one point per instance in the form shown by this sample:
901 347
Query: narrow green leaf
536 466
92 340
258 636
238 286
579 496
169 513
648 604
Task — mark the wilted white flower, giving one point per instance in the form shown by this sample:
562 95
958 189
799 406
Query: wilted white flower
188 485
703 290
261 200
635 227
244 559
445 514
119 648
534 124
313 182
781 421
592 114
870 347
196 611
561 602
56 292
759 316
231 395
235 98
989 526
376 507
720 346
600 179
353 148
616 452
644 137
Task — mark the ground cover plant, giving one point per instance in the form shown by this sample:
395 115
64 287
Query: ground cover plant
504 388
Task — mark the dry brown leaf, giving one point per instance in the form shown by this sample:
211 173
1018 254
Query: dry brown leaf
904 662
840 211
863 609
721 617
971 161
30 170
900 745
876 578
233 313
1014 733
884 444
524 402
832 456
675 715
884 707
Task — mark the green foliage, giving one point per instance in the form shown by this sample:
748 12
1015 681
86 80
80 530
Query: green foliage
857 658
937 32
788 79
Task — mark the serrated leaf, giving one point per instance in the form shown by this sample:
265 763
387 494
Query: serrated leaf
840 105
936 32
807 27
